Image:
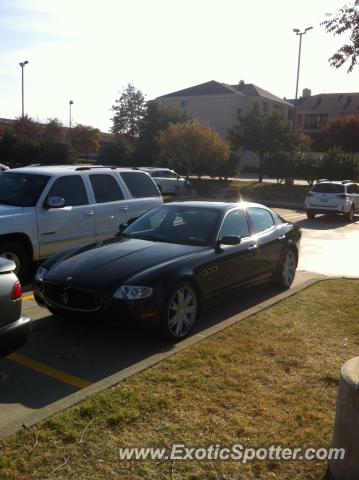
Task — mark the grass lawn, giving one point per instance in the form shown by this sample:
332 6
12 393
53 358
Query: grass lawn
269 379
249 190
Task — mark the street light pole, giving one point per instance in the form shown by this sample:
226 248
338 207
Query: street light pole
22 65
70 119
298 32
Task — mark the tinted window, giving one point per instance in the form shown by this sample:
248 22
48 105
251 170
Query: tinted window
235 223
355 189
328 188
176 224
21 189
71 188
105 188
140 184
261 219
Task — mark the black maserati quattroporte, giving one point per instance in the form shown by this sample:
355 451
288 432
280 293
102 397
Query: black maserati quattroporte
169 262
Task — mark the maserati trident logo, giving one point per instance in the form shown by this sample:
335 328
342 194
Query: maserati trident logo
64 298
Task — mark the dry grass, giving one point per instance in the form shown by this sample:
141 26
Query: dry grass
269 379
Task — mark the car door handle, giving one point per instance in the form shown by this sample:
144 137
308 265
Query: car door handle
282 238
253 249
90 214
123 209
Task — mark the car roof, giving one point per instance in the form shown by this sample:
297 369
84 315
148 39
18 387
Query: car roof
67 169
334 182
223 206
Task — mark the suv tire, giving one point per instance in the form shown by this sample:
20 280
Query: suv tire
18 254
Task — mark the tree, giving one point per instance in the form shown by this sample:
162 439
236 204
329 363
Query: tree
53 131
192 147
54 152
128 111
119 152
26 127
158 115
84 139
339 165
265 132
340 131
345 20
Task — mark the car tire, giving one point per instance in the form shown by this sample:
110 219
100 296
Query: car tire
18 254
183 299
310 215
286 270
350 215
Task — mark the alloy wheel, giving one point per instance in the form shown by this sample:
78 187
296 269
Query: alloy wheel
13 257
288 268
182 311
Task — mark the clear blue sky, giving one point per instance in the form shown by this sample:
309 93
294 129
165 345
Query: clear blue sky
88 50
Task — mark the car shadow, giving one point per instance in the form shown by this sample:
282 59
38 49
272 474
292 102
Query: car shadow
326 222
93 351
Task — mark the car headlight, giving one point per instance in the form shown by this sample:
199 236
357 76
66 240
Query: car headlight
131 292
40 274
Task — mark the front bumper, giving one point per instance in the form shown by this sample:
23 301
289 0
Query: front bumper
145 309
14 335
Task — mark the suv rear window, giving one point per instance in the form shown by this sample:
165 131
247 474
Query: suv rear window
328 188
140 184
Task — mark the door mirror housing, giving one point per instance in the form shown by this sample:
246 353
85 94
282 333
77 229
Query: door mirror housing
123 226
229 240
54 202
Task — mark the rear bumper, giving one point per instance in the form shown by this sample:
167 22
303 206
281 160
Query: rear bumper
13 336
344 208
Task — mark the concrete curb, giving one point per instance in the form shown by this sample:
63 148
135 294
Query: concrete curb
112 380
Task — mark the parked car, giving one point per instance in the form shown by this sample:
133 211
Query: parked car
168 181
14 328
3 167
45 210
326 196
171 261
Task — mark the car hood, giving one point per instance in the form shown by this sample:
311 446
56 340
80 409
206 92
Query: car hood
9 210
114 261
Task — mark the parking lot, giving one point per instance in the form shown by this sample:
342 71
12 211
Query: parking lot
61 358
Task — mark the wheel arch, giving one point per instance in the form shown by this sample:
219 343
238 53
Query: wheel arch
20 238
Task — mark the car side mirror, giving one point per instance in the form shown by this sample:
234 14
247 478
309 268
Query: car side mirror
123 226
229 240
55 202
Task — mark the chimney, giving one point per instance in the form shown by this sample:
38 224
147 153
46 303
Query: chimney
306 93
241 84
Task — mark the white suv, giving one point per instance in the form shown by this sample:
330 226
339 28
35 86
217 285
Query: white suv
44 210
167 180
332 197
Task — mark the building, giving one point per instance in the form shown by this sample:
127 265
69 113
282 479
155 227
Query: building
314 111
217 104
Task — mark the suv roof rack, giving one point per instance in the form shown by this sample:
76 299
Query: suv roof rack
347 181
90 167
322 180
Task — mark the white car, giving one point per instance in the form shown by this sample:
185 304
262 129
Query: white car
326 196
45 210
167 180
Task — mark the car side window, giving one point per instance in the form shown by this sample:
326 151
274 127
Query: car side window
71 188
261 219
105 188
356 189
140 184
235 223
350 189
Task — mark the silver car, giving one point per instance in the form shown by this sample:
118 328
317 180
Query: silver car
14 328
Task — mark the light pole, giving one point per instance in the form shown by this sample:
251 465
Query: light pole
298 32
22 65
70 104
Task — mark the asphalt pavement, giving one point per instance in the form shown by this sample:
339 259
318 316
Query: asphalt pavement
61 359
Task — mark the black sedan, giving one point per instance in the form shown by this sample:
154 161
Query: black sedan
171 261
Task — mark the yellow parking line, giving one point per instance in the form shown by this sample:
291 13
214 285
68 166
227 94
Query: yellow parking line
49 371
26 298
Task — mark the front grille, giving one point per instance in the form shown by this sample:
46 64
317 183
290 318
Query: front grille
72 298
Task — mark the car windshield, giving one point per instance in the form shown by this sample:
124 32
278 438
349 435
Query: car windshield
21 189
176 224
328 188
